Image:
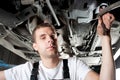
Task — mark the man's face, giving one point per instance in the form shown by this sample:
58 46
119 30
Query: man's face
46 42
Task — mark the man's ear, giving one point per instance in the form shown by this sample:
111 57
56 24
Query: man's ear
35 47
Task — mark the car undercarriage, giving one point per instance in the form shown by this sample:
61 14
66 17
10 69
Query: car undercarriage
75 22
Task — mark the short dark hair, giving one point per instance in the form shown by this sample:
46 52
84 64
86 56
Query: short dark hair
42 25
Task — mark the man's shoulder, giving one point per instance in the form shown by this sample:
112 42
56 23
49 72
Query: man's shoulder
75 61
26 65
74 58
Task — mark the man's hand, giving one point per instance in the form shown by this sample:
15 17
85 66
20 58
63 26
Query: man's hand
104 24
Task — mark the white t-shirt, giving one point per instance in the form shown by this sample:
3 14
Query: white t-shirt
77 70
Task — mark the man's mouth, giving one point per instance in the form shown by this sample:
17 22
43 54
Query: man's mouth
51 47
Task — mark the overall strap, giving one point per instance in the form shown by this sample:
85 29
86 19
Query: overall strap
65 69
34 71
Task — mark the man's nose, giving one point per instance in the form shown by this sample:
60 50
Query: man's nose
50 39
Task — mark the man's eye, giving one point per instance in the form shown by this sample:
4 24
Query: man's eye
53 36
43 37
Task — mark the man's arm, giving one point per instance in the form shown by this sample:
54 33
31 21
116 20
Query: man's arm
108 67
107 71
2 75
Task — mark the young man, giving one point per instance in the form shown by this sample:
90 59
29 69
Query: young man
51 67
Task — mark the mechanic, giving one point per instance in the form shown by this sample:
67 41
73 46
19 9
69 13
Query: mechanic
51 67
